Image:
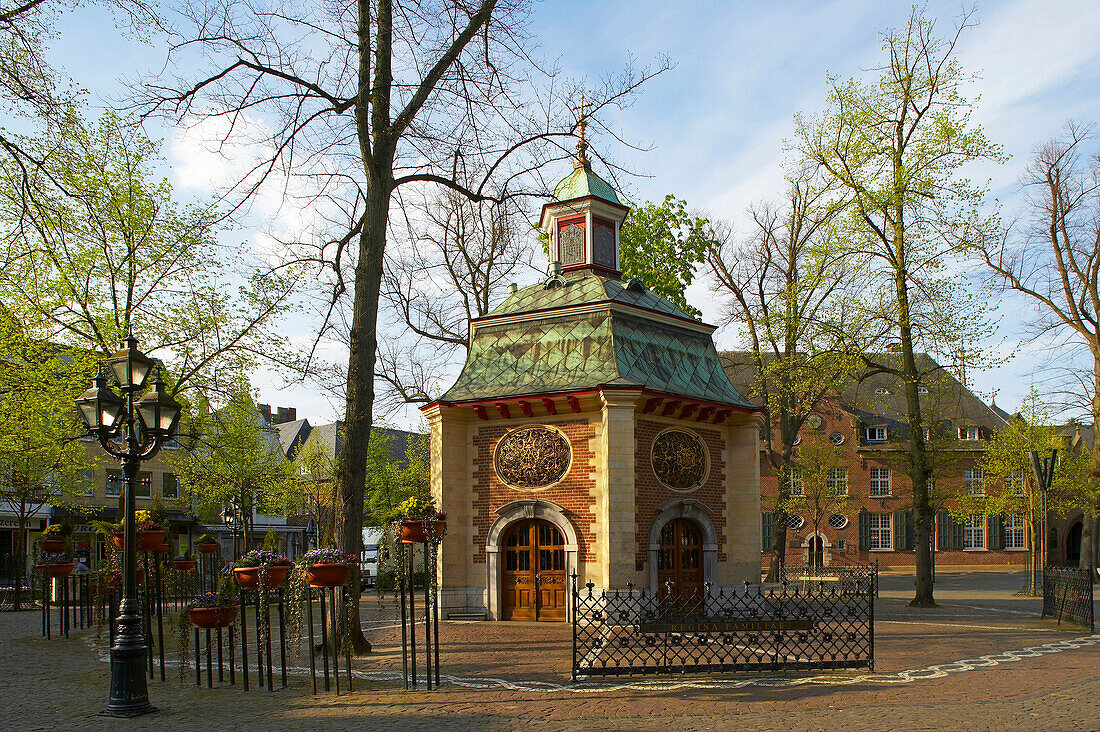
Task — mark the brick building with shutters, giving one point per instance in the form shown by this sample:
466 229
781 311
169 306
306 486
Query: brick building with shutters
874 520
592 431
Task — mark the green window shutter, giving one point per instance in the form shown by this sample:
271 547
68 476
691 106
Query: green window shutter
996 532
767 531
899 530
957 532
943 530
1052 542
864 530
910 532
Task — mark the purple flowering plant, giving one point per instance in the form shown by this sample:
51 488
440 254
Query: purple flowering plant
325 556
56 559
259 558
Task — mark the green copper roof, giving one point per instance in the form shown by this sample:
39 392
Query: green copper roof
584 290
583 182
559 353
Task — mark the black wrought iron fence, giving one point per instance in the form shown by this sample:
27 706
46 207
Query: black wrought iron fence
631 631
15 583
1067 594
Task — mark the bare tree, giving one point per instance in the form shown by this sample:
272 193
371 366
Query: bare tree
458 260
780 284
1055 262
352 101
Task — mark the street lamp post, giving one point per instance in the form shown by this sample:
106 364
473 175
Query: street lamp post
144 424
1043 470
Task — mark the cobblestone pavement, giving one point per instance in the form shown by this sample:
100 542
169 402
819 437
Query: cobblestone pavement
980 661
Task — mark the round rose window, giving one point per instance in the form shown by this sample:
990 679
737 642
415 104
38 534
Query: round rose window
532 457
679 459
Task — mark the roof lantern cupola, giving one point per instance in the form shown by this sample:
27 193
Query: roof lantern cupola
583 218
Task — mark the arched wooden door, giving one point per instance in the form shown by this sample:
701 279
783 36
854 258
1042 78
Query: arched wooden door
1073 544
680 559
534 584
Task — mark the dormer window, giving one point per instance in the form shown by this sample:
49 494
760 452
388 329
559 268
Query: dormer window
876 434
882 391
969 434
922 389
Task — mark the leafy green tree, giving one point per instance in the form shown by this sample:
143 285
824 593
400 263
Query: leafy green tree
102 249
896 146
315 477
662 244
392 481
235 463
41 461
1010 488
823 478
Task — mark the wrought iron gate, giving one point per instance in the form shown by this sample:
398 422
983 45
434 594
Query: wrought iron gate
631 631
1067 593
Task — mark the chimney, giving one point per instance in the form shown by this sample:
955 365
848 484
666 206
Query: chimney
285 414
265 410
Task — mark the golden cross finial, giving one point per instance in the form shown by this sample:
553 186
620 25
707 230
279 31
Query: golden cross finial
582 125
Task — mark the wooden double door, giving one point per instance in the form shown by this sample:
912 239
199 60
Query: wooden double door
680 560
534 584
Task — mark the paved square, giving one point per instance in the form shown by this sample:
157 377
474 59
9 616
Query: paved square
981 661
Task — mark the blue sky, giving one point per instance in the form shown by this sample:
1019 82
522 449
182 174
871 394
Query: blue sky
718 120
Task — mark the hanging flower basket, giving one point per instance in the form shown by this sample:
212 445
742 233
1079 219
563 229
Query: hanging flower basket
163 548
183 565
327 575
149 540
248 568
249 577
53 546
209 548
60 569
414 531
213 617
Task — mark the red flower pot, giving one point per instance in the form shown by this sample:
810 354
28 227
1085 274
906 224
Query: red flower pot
53 546
183 565
249 577
60 569
150 540
162 549
114 579
327 575
416 532
119 540
208 548
213 617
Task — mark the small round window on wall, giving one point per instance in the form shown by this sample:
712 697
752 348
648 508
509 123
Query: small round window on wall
679 459
836 438
838 521
534 457
794 521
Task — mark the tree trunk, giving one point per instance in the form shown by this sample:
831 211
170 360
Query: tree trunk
1089 523
779 548
363 347
918 462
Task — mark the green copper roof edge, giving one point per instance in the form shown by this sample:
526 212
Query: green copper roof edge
491 319
642 392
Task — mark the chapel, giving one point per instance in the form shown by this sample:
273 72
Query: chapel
593 431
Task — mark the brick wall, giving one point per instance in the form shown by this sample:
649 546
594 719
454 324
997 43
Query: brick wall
573 493
859 459
649 493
